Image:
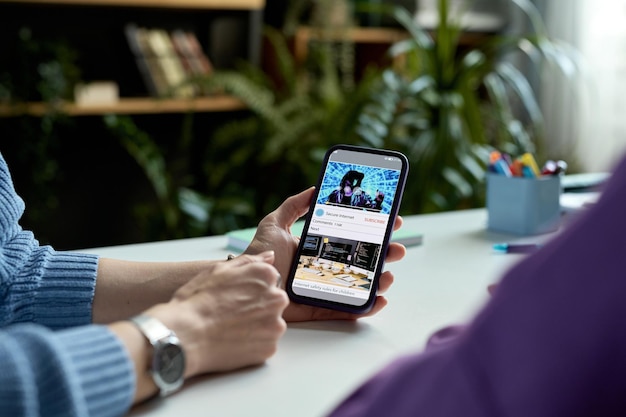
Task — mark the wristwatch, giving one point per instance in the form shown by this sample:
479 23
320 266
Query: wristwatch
168 358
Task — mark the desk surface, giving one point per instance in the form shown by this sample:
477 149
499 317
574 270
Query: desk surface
441 282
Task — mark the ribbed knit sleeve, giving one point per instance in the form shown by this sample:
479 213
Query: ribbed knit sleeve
79 371
37 283
83 371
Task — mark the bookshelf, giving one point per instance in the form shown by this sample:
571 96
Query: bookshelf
237 22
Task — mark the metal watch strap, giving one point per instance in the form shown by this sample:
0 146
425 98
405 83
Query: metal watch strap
152 328
159 335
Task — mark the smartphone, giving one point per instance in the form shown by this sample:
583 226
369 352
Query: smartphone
347 230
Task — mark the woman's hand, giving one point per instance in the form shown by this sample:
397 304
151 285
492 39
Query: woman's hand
229 316
274 233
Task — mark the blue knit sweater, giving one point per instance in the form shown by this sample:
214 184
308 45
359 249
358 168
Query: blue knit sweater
53 362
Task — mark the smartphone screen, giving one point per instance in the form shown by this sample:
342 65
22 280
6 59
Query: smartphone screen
346 232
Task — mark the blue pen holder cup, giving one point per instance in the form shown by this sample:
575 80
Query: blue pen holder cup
523 206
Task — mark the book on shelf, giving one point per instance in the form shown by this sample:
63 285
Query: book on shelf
150 72
167 59
190 53
238 240
202 59
184 57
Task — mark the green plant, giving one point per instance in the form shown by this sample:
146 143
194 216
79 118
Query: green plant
296 114
180 211
447 107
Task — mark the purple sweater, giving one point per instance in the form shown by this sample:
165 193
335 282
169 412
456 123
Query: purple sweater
550 342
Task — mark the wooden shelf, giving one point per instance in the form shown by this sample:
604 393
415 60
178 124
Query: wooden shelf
130 106
178 4
363 35
355 34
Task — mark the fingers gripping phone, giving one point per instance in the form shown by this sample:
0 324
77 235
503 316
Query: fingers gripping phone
347 230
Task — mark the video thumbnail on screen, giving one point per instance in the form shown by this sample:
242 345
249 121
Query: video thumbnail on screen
358 186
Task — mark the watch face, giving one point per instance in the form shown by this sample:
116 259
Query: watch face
171 362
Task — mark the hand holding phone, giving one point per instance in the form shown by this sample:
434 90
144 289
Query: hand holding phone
347 230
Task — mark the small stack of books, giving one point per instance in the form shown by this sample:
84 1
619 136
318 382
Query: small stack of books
168 60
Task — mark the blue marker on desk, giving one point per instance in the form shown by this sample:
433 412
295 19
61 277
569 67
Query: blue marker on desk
516 247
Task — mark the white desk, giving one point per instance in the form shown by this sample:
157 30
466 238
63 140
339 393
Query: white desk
439 283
